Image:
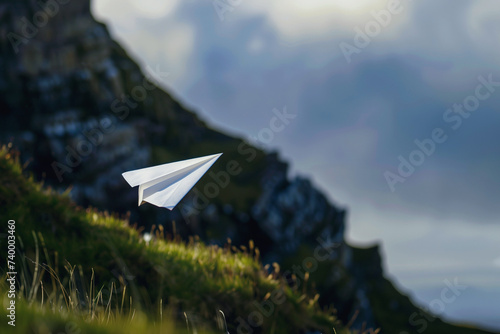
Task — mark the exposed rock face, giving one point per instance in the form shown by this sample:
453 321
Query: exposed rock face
74 101
82 112
292 212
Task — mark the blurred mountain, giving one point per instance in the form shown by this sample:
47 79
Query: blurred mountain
466 308
81 112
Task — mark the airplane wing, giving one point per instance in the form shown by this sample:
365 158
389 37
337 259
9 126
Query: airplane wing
165 185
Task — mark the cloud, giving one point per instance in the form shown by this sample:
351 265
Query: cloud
354 119
318 19
154 9
150 30
150 9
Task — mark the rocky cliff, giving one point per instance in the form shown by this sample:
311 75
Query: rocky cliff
81 112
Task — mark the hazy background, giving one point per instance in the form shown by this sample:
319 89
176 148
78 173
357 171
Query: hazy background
354 118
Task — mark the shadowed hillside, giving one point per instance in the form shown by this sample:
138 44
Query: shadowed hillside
73 252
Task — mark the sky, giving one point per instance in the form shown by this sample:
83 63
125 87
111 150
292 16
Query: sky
396 107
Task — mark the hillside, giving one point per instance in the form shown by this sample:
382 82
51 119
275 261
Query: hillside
53 234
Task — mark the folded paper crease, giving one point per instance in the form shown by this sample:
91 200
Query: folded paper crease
165 185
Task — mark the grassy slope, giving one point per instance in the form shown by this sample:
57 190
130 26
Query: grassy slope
189 277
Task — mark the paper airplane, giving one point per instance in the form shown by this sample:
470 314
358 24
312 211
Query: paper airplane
165 185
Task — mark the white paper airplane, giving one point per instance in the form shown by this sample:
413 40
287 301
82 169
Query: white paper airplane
165 185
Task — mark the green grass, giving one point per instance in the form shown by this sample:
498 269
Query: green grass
94 270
